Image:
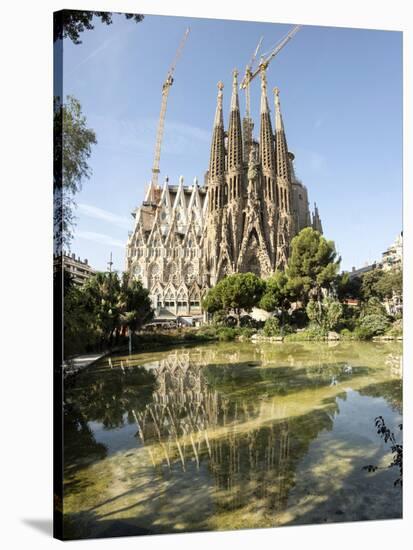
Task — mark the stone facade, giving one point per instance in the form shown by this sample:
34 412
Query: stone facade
187 238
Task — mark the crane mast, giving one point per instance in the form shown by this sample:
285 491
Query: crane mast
264 62
166 86
250 74
248 124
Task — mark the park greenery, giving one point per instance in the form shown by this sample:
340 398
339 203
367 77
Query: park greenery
104 312
310 300
73 141
71 23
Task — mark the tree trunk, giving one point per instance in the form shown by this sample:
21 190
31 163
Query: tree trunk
130 340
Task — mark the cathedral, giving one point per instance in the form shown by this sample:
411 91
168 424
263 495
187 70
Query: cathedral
242 219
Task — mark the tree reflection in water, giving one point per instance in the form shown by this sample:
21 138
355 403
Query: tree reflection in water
225 425
190 420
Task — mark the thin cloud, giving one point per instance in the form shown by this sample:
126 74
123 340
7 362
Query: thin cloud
318 123
317 161
100 214
100 238
140 135
107 42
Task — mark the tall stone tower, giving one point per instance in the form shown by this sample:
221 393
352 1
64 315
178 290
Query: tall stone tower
216 182
187 237
256 204
284 189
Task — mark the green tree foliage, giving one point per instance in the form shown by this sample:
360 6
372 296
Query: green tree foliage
313 264
71 23
73 141
234 293
101 296
272 327
96 312
390 282
275 292
79 327
369 284
348 287
373 306
326 313
373 324
134 304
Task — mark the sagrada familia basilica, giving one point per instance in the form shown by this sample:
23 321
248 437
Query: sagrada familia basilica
242 219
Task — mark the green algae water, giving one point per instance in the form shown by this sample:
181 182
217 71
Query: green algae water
230 436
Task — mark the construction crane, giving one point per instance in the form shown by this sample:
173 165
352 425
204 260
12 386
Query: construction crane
265 61
247 78
166 86
247 123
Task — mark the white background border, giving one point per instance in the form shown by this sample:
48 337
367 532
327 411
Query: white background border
26 259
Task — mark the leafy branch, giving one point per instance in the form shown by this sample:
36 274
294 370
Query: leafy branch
396 448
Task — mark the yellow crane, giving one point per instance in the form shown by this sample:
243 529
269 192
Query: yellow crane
247 79
247 123
166 86
264 62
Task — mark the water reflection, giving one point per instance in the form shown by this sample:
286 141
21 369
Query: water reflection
220 436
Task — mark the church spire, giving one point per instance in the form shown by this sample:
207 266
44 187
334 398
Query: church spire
234 129
316 222
217 158
266 141
283 161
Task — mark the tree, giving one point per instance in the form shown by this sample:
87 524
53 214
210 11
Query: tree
103 306
234 293
71 23
272 327
79 326
101 297
348 287
374 324
73 142
135 305
313 265
390 282
369 284
326 313
275 292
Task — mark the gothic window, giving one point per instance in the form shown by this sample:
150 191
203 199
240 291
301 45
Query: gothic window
182 301
195 298
190 274
138 271
154 274
170 299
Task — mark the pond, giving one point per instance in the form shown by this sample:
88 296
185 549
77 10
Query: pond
230 436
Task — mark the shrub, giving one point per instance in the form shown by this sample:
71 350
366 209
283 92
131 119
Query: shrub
271 327
313 332
226 334
362 333
374 324
325 314
396 329
286 329
246 331
249 322
299 318
373 307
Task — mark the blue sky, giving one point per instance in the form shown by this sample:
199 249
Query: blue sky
341 98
